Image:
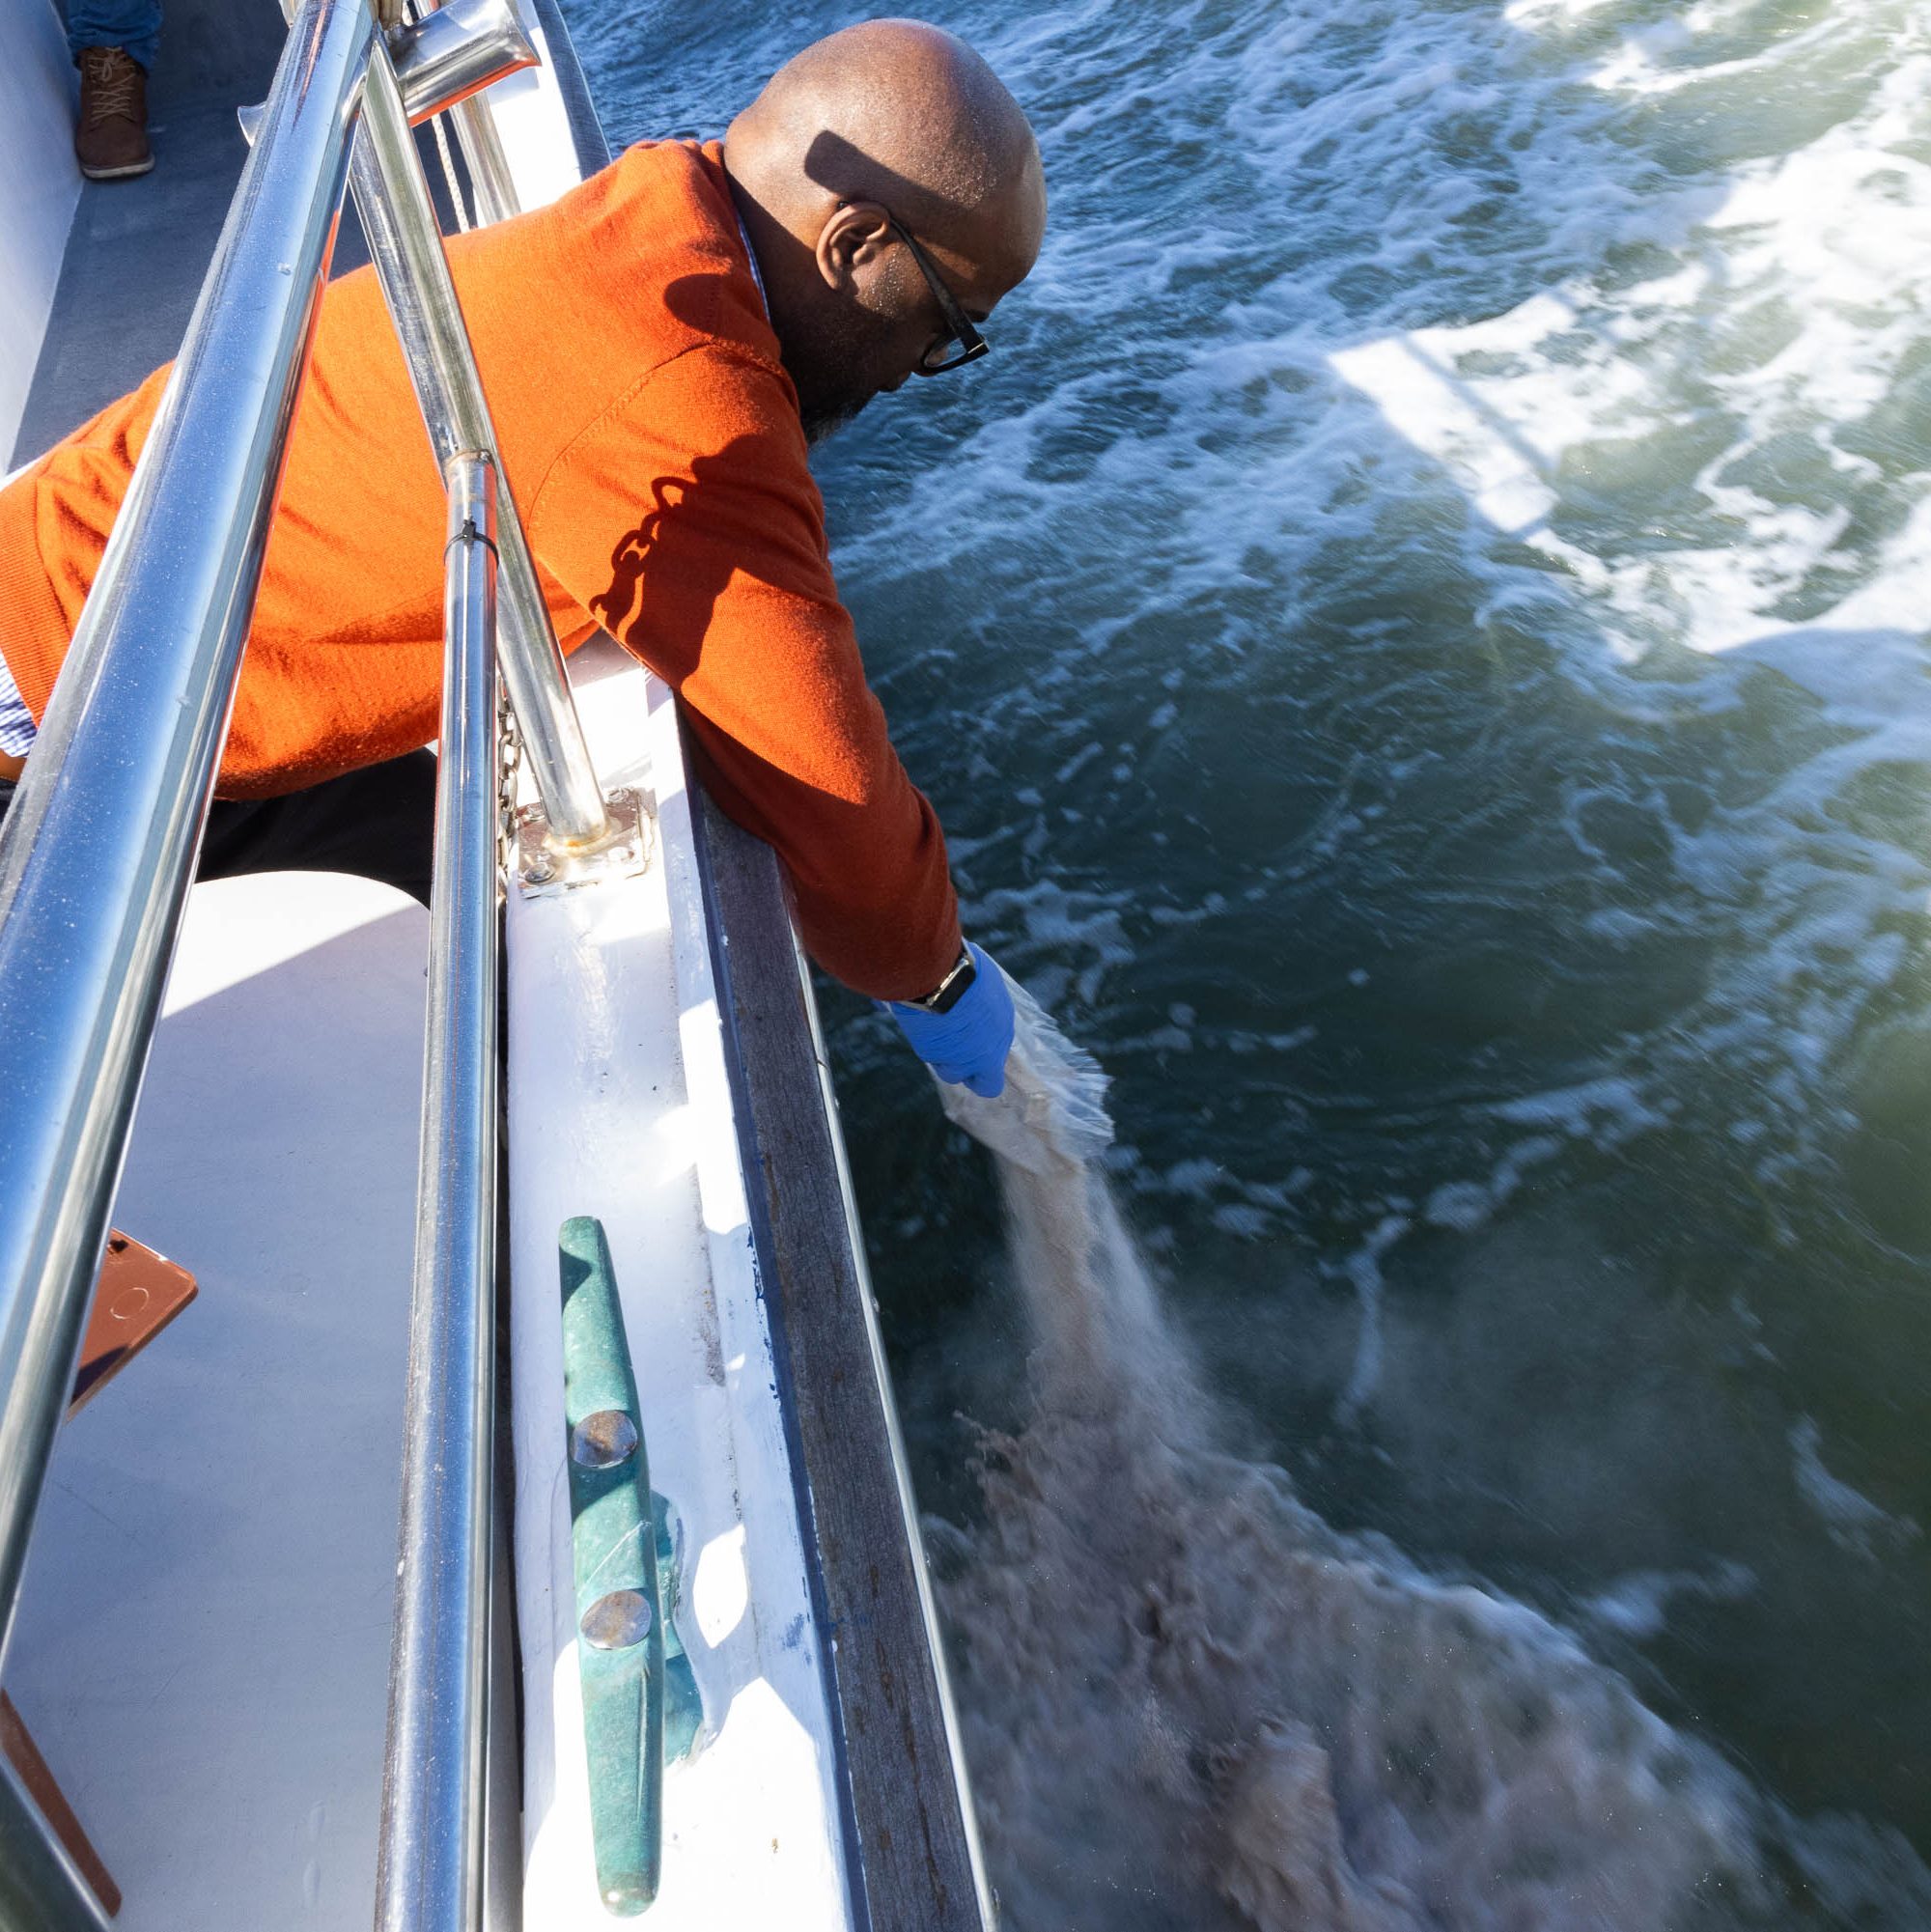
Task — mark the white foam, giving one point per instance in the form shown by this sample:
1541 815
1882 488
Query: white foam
1855 1521
1638 1605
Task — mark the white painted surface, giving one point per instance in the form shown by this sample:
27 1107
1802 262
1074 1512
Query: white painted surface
533 124
203 1637
619 1109
40 183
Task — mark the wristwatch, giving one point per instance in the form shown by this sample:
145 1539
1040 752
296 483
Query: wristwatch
951 989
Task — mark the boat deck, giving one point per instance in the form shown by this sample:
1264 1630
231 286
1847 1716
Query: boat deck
207 1612
138 250
160 1630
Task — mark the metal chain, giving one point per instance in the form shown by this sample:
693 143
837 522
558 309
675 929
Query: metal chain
509 764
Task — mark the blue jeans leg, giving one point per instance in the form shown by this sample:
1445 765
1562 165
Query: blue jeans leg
134 25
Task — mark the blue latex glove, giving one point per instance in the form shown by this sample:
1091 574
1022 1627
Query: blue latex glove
967 1045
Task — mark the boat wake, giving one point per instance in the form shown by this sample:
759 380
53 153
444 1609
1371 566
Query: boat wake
1189 1702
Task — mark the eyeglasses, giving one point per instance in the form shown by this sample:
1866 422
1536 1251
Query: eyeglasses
972 344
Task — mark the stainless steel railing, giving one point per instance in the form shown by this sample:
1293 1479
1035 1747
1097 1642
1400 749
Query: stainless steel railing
431 1869
101 842
399 221
493 186
444 58
99 847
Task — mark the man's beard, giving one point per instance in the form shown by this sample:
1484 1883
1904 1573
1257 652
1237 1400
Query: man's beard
821 362
826 419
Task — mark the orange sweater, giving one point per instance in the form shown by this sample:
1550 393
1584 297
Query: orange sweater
654 442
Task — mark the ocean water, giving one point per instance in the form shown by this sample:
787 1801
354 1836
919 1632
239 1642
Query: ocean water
1191 1704
1417 634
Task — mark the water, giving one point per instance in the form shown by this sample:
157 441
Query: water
1274 1725
1417 636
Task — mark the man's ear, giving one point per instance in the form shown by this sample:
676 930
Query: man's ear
853 242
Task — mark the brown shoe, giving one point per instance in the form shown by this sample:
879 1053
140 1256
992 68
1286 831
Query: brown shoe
111 139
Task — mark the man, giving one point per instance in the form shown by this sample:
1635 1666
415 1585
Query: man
658 349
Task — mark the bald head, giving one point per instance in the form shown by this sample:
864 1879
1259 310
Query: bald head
886 130
903 113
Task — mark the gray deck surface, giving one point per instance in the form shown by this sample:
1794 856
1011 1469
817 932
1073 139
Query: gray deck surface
138 250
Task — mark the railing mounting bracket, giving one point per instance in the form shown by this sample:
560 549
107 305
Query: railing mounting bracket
546 864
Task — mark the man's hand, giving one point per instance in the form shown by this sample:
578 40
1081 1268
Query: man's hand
968 1044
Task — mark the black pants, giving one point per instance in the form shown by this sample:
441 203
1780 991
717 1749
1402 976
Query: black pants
379 822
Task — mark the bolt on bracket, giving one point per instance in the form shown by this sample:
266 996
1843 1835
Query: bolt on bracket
547 865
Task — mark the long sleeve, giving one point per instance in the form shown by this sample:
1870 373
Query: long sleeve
685 520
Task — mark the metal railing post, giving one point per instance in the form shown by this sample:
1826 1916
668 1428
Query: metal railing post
451 53
496 196
430 1874
40 1888
491 179
96 854
405 243
446 56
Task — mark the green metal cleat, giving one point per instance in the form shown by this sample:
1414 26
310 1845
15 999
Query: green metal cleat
684 1707
639 1693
